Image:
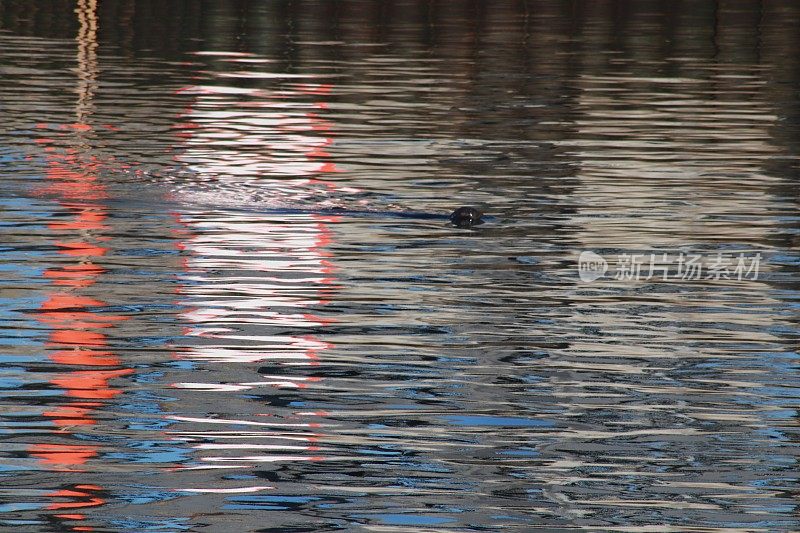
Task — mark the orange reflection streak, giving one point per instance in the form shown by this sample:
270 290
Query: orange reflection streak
74 414
77 335
80 275
85 218
77 339
77 330
81 496
273 263
61 455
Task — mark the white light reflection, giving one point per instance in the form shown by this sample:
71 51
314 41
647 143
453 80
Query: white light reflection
251 283
234 490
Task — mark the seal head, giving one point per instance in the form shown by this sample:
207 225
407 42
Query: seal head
466 217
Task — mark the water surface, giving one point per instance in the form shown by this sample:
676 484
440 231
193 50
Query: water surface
230 298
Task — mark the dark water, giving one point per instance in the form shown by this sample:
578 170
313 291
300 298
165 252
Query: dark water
230 300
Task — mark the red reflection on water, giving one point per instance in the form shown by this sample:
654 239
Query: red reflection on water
77 341
80 275
62 455
85 218
74 414
77 337
78 497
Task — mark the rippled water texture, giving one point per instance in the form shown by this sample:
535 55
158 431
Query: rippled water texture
230 298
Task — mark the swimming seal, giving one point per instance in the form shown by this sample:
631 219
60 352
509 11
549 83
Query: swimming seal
466 217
